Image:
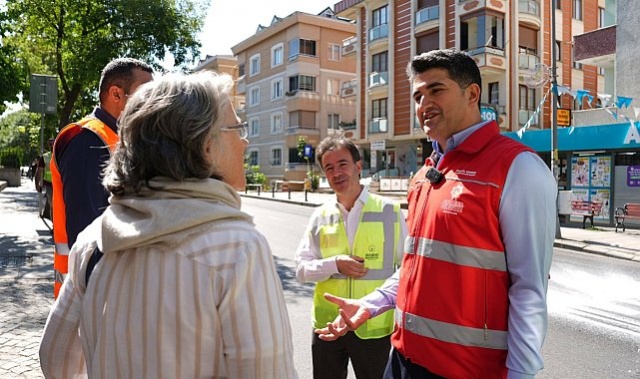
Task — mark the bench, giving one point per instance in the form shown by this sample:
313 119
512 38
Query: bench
586 209
628 211
253 185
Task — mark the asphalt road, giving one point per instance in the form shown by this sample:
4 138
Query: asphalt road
594 303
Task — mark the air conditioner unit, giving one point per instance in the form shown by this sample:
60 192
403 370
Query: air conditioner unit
349 49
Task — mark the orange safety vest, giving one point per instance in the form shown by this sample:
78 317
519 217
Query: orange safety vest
60 239
452 306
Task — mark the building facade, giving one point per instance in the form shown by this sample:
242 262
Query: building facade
509 40
224 64
295 79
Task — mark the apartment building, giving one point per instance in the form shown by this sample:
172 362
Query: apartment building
509 40
224 64
297 83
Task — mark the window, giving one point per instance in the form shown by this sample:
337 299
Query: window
295 158
601 13
527 98
379 62
254 65
494 93
559 4
428 42
379 20
276 123
277 55
276 156
333 121
277 89
558 50
241 70
379 108
333 87
380 16
302 83
335 52
303 119
253 159
482 31
301 46
254 96
254 127
577 10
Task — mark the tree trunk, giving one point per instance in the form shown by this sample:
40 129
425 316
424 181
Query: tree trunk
70 99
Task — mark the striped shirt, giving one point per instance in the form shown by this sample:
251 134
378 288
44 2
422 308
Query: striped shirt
211 306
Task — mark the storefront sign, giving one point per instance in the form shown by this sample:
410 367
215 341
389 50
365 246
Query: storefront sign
378 145
633 176
564 117
488 114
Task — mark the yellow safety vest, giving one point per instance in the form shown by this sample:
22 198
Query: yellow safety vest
376 241
46 176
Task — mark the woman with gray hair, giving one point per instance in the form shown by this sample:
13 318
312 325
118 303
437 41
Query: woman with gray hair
186 286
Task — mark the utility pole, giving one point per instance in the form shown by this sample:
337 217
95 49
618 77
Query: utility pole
554 112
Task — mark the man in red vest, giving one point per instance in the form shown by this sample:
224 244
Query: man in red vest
80 153
470 297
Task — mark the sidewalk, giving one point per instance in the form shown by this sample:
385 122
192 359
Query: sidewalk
601 240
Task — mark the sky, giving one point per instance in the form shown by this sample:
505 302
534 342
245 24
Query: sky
229 22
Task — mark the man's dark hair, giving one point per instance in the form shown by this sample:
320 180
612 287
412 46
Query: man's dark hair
119 72
335 142
461 67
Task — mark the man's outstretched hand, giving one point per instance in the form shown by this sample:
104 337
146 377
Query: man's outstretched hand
352 315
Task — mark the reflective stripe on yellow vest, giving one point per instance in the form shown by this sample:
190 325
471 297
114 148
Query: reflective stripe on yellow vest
376 241
61 248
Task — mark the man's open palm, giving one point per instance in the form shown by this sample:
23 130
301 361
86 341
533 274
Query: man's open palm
352 315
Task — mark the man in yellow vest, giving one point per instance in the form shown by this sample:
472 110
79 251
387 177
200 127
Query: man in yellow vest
80 153
351 246
43 180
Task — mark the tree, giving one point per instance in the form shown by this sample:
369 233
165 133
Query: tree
75 39
20 131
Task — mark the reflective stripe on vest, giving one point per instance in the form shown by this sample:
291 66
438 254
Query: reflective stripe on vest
443 331
375 241
461 255
60 238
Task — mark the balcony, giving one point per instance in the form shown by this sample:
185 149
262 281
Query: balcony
379 32
527 60
348 89
597 48
464 7
529 12
524 115
241 86
427 14
350 45
378 79
378 125
489 59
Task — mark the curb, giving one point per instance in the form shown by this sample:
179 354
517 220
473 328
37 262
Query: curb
3 185
608 251
296 202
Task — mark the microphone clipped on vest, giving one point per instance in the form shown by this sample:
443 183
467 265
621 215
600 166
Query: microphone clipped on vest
433 175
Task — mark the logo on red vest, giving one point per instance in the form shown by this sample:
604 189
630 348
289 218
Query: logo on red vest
454 206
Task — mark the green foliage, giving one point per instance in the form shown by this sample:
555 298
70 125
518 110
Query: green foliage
76 39
11 158
21 130
253 175
315 180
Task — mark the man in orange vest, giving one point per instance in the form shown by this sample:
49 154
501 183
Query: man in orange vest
470 297
80 153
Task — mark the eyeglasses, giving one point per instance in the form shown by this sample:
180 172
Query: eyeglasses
242 129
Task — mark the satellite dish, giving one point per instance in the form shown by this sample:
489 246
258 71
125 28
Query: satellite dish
537 76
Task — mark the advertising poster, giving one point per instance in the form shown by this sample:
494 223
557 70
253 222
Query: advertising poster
579 172
601 198
633 176
600 171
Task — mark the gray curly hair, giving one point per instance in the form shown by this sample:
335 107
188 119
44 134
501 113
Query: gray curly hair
163 130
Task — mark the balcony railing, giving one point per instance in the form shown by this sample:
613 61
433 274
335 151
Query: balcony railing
525 114
349 45
378 125
349 88
527 60
381 31
427 14
529 6
378 78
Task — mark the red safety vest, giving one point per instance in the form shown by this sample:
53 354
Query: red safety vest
452 304
61 248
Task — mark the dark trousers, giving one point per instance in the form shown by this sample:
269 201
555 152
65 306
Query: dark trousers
400 368
368 357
